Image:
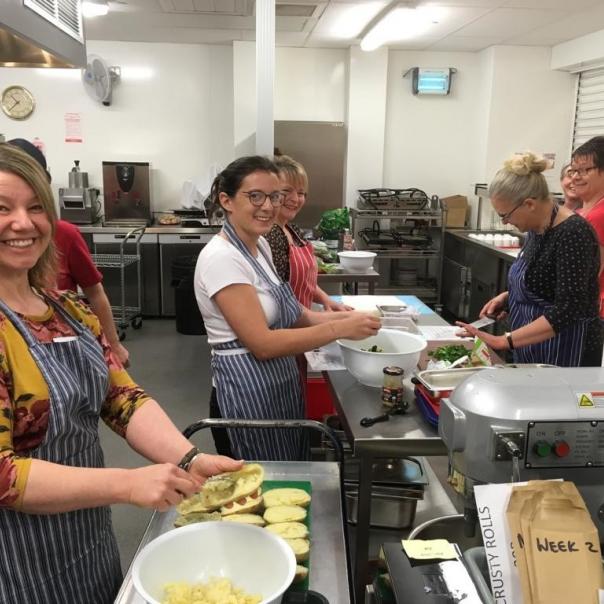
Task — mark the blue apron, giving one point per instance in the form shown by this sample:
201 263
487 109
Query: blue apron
247 388
565 349
70 557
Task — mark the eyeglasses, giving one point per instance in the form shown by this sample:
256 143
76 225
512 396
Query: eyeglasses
257 198
581 171
505 217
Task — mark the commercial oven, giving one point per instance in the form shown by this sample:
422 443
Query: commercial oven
109 243
173 246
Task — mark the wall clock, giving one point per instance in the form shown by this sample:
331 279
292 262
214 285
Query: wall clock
17 102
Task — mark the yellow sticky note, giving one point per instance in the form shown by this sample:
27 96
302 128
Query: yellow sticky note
421 549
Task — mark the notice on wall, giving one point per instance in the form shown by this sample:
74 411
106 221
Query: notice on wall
73 128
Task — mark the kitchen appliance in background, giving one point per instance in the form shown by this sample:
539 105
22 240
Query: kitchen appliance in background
126 191
78 203
457 289
321 148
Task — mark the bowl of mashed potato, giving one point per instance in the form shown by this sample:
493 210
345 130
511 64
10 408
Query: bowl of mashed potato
214 563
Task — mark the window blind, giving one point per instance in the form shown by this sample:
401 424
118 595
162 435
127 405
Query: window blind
589 114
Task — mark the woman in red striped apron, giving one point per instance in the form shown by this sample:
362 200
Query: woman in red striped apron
293 256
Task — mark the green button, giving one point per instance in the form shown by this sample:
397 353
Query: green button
542 448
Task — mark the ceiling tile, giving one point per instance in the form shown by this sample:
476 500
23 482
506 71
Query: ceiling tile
463 3
507 22
346 20
565 5
465 44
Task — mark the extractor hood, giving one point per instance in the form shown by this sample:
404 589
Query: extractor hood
41 33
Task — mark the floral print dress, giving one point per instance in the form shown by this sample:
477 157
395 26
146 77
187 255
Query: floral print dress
24 394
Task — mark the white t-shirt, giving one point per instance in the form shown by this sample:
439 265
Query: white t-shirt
221 264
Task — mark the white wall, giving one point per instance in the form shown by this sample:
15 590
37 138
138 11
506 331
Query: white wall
581 53
172 108
431 141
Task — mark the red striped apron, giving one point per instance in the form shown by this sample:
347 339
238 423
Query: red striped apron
303 272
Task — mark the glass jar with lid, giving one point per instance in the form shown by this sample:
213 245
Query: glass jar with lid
392 390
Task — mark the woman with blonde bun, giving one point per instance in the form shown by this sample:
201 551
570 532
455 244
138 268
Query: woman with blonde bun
553 294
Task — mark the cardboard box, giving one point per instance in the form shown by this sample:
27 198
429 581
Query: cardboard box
457 210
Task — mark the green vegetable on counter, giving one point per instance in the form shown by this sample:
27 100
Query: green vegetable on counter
333 222
327 267
448 353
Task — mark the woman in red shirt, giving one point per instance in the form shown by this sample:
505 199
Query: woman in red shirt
587 171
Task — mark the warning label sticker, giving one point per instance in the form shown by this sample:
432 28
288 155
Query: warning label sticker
590 400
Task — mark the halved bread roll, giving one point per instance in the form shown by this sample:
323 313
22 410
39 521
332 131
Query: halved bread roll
286 496
245 519
246 505
219 490
301 548
289 530
197 517
301 573
284 513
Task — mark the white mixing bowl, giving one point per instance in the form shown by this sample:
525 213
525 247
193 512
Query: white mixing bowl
401 349
253 558
356 262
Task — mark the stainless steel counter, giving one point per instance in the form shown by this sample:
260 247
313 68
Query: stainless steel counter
371 277
400 436
508 256
151 230
328 566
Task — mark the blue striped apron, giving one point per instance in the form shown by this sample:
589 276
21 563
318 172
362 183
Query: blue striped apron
565 349
72 557
247 388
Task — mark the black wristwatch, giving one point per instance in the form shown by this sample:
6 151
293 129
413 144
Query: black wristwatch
187 460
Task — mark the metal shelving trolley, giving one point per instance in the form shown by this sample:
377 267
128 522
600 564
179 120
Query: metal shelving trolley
126 315
406 228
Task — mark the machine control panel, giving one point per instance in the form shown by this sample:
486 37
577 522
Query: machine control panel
565 444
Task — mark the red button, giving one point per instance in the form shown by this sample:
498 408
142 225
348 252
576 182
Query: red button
561 448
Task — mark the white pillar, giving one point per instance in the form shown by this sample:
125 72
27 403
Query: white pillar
367 93
265 76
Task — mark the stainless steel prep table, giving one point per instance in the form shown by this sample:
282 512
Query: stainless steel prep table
371 277
401 436
328 566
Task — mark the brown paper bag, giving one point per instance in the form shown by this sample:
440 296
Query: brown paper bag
519 496
562 549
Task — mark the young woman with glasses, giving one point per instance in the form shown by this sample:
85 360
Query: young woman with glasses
587 171
255 324
552 296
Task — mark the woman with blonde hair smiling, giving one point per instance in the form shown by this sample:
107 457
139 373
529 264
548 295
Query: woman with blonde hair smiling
58 376
552 294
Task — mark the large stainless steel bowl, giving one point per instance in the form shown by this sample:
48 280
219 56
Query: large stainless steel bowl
401 349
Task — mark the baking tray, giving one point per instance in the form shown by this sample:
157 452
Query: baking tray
440 380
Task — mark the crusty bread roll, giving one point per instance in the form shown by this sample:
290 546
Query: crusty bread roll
289 530
197 517
245 519
301 573
284 513
246 505
301 548
219 490
286 496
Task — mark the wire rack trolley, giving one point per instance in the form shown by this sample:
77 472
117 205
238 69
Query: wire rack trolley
126 315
